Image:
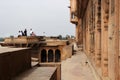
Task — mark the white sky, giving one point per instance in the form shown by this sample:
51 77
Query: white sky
49 16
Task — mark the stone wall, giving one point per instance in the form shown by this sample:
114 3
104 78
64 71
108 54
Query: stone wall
39 73
100 28
13 63
65 52
57 65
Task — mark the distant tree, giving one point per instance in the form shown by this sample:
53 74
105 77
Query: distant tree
67 37
11 36
60 36
72 36
63 38
1 39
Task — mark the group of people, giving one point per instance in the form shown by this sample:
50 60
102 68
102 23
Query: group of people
24 33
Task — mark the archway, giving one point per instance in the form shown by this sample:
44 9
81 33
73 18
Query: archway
57 56
43 56
50 56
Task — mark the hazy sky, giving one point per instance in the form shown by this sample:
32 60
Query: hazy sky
49 16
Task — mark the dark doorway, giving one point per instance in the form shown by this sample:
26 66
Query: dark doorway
50 56
43 56
57 56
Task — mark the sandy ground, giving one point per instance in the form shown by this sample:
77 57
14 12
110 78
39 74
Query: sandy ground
75 68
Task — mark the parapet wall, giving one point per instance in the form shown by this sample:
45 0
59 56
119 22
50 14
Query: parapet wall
57 74
22 39
67 52
14 62
39 73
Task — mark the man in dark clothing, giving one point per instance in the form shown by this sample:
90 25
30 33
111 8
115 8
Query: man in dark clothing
25 32
22 33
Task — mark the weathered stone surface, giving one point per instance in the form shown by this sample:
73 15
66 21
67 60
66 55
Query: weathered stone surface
38 73
100 28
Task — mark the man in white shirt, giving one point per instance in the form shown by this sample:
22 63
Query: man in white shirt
19 34
31 32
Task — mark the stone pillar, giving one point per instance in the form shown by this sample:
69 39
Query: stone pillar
77 31
117 40
54 55
98 48
88 35
84 35
98 34
105 17
92 31
94 11
87 32
47 55
79 34
105 53
87 40
39 56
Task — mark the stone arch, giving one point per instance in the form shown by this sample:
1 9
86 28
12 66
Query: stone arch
57 55
50 56
43 55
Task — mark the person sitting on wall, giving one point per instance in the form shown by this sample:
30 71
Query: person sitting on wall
22 33
33 34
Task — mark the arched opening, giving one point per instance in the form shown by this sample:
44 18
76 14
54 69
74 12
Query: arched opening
57 56
43 56
50 56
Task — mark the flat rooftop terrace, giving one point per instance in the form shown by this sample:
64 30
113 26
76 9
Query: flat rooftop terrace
37 73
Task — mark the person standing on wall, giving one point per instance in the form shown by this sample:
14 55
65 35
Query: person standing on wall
31 32
25 32
20 34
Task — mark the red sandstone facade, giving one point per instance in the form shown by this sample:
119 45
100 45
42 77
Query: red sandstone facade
97 28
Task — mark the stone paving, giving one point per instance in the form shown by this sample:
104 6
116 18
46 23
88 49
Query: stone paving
76 68
37 73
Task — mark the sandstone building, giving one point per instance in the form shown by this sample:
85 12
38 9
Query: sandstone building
46 54
97 28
